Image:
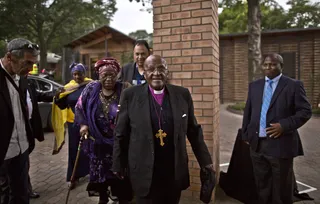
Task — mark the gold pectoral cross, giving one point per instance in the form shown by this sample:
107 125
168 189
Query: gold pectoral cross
161 135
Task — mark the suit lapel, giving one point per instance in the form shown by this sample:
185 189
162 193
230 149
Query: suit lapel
259 92
281 84
144 105
4 88
131 72
174 102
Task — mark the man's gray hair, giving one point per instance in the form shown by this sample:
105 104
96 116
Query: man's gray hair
15 47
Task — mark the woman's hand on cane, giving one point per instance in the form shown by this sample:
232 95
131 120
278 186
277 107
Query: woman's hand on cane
84 131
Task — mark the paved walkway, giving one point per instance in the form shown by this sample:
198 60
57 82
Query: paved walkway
48 171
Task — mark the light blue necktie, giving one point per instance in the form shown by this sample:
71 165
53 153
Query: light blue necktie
265 106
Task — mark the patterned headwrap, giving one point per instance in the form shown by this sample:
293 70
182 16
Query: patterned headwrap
77 67
105 64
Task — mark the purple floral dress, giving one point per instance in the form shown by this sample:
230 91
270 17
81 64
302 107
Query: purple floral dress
91 111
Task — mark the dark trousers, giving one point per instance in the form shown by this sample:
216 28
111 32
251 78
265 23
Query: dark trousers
161 194
273 176
14 172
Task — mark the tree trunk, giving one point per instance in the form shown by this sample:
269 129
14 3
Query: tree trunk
254 39
43 52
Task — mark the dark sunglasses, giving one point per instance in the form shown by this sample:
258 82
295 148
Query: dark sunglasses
28 46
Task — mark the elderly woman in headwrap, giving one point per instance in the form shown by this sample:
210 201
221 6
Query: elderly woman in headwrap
96 113
66 100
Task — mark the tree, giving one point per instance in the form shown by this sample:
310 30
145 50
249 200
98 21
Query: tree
303 14
254 38
142 35
234 19
47 21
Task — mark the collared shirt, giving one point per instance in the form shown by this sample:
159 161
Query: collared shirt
29 103
274 86
19 141
137 77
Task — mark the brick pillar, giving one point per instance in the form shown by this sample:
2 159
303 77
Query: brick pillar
186 35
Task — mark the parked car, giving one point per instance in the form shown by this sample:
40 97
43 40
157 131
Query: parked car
47 88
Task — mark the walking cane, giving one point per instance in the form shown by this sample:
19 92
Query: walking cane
75 165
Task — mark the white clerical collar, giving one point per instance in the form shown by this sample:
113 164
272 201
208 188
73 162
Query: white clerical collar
158 92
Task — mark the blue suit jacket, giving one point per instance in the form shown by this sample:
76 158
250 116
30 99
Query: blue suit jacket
289 106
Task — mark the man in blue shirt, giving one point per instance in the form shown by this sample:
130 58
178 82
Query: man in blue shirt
133 72
276 107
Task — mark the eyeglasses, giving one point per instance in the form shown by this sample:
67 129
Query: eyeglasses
28 46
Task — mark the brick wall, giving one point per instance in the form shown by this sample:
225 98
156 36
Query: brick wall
234 63
186 35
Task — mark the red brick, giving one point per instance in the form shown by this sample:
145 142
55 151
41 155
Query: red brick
195 36
191 67
170 24
207 82
204 120
156 39
202 12
181 60
207 4
156 11
207 35
161 32
196 179
195 187
162 17
181 75
202 43
207 66
196 97
197 112
203 105
181 30
191 21
208 97
172 38
162 46
171 53
191 6
204 90
207 128
179 1
161 3
207 51
192 82
157 52
191 52
170 9
201 28
202 74
175 68
156 25
206 20
179 15
181 45
199 59
175 82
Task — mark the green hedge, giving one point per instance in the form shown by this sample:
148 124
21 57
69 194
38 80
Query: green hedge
316 111
238 106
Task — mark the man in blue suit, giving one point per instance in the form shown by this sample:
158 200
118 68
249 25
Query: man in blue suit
276 107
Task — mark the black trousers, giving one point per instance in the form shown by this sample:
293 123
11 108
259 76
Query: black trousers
14 172
273 176
161 192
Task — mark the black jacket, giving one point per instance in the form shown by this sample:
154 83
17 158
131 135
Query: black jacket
35 120
289 106
7 118
127 72
134 139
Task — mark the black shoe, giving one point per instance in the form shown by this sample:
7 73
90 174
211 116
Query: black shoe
34 195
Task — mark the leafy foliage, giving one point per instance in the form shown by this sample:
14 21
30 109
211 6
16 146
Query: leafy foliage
302 14
52 23
142 35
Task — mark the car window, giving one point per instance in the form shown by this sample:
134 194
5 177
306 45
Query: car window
44 86
33 83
